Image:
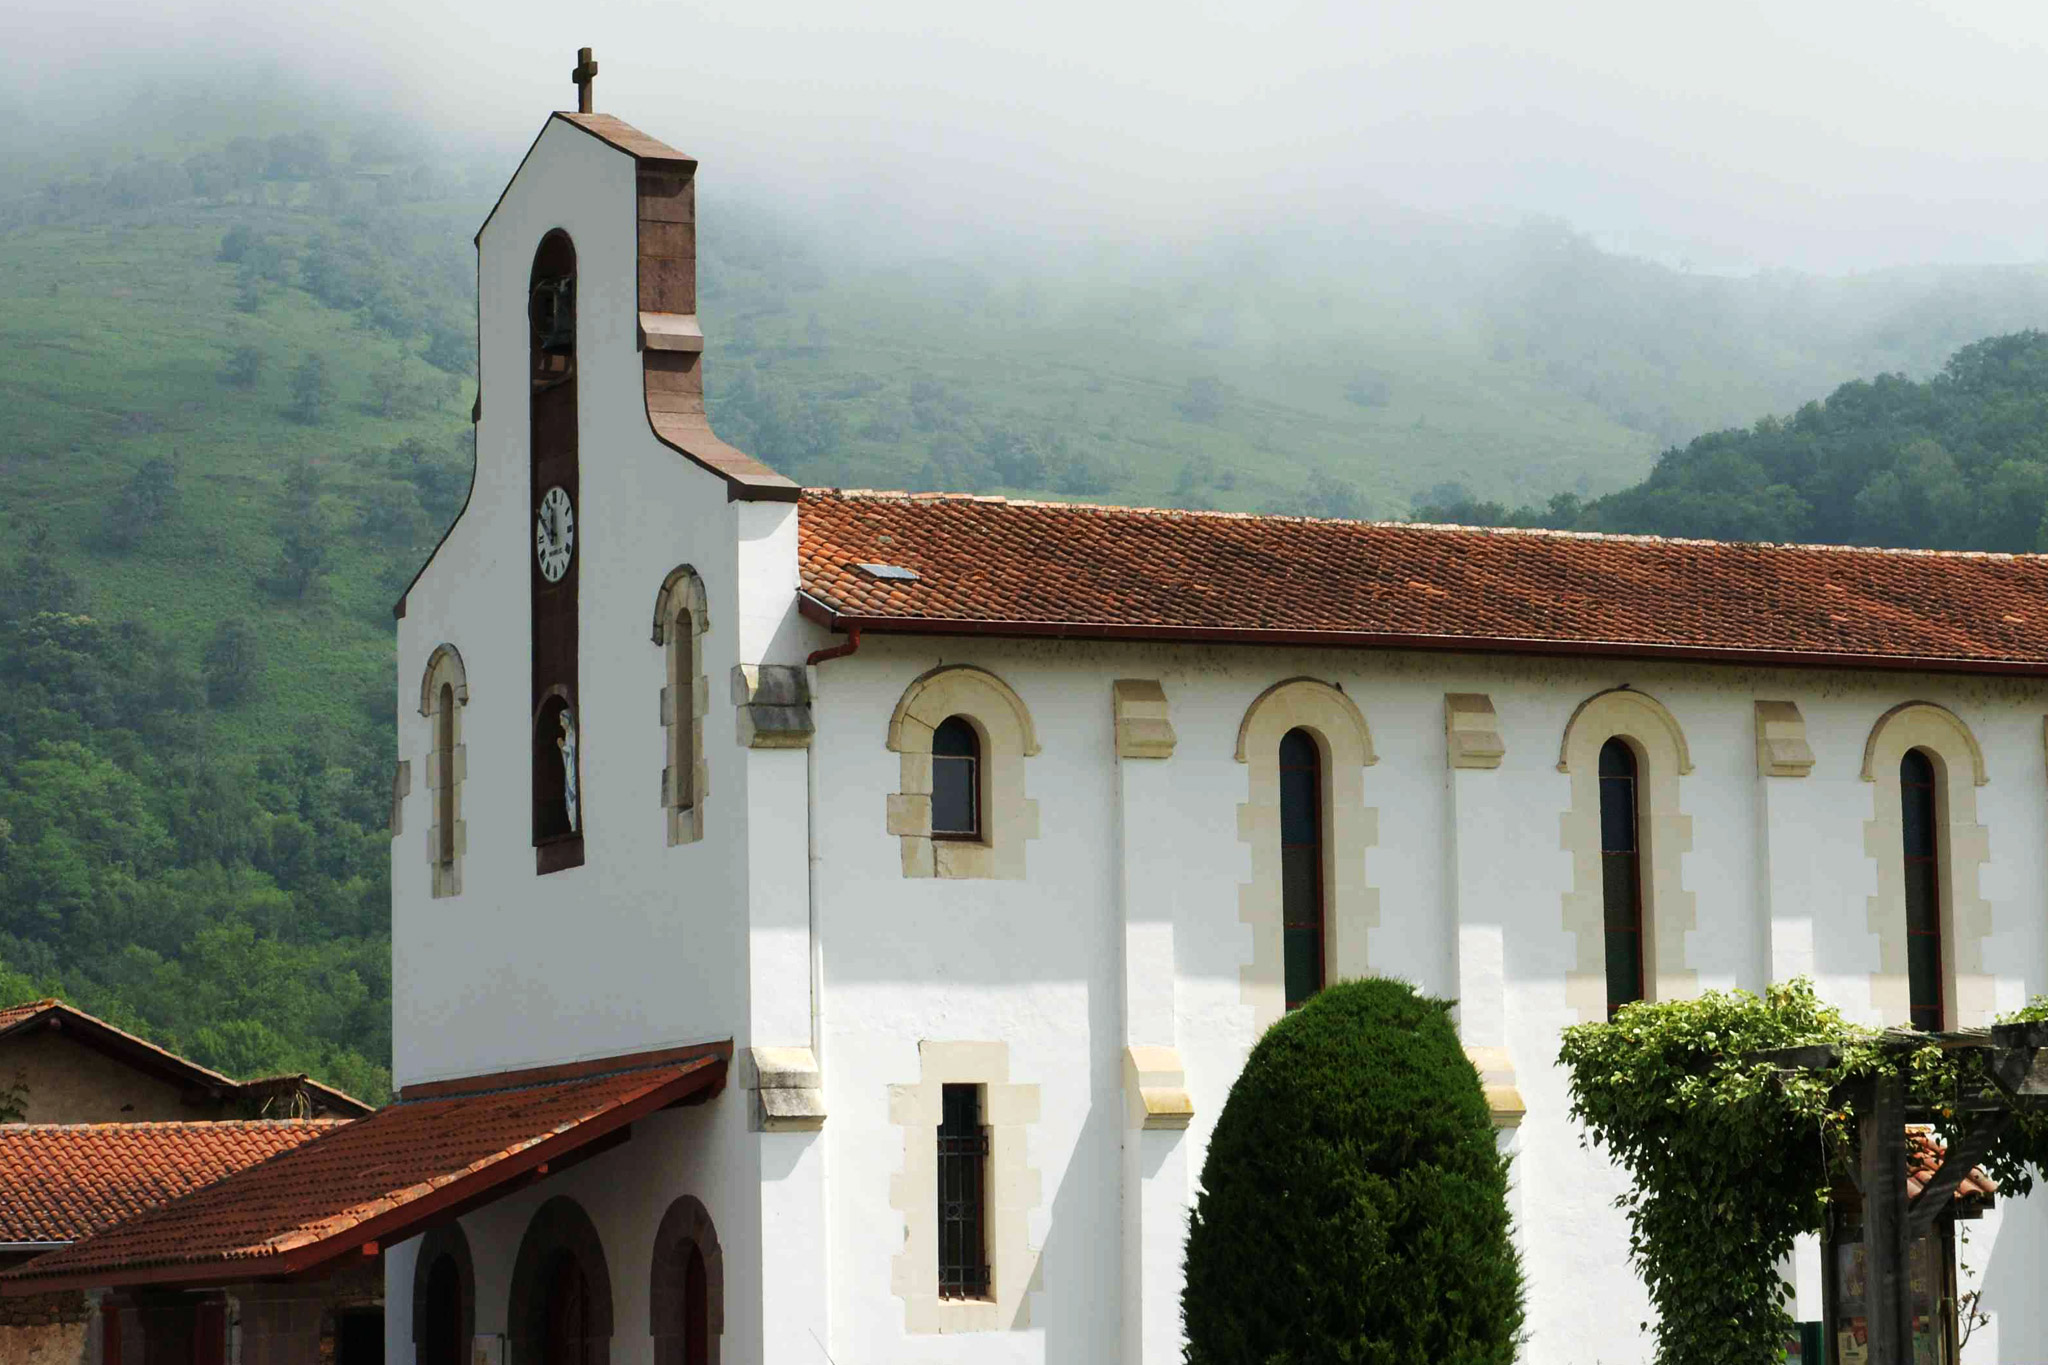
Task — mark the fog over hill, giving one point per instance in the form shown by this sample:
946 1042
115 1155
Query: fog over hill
1286 261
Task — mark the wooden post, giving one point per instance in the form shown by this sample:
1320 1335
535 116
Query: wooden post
1888 1287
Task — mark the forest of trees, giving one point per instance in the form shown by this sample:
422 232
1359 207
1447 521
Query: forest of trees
1955 462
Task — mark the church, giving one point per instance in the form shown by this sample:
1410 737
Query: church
827 923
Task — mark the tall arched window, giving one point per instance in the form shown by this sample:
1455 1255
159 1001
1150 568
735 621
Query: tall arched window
1621 873
1301 864
956 780
1923 889
444 794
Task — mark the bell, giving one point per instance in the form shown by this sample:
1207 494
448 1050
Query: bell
552 311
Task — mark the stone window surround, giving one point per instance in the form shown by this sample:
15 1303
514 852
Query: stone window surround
444 668
1664 832
1008 737
1969 991
1013 1190
685 1225
1351 907
685 697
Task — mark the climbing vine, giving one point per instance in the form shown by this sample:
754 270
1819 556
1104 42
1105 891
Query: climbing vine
1731 1159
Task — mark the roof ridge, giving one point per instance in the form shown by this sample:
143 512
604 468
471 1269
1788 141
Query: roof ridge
1510 532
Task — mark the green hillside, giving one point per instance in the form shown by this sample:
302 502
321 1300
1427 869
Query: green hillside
236 405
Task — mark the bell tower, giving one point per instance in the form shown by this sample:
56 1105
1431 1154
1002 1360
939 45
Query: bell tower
553 489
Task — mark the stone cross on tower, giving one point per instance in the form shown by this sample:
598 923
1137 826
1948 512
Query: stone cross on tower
585 76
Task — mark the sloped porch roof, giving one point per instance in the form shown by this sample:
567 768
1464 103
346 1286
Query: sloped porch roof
439 1151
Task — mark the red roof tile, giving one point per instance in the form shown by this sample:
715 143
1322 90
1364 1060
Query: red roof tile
375 1179
1924 1153
63 1181
1054 569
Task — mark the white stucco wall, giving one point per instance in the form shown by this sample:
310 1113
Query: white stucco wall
1037 964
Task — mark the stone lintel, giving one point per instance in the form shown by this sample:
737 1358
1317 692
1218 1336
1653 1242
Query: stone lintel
1781 747
1142 727
1472 731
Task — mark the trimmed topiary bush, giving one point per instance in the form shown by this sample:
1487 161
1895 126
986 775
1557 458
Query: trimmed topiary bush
1353 1206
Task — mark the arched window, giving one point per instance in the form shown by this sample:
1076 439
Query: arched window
681 617
1923 889
1301 864
444 693
956 780
1621 867
444 795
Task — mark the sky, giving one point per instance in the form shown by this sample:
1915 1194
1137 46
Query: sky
1818 135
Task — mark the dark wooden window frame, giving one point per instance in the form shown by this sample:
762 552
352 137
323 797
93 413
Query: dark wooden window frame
1303 834
1921 843
955 734
1621 872
963 1195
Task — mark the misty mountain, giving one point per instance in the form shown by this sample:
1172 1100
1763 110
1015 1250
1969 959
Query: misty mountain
239 340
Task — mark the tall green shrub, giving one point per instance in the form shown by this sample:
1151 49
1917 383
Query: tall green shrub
1353 1205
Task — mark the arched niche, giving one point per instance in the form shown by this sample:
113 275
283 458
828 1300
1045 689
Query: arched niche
444 665
1921 725
686 1235
681 591
1623 711
559 1228
955 689
1315 705
443 1265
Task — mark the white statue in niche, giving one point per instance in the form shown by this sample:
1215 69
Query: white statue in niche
567 744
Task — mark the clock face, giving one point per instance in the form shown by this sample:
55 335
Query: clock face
554 534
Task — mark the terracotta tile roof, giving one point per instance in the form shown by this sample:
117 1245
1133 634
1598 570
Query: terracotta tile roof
988 565
63 1181
1924 1153
376 1179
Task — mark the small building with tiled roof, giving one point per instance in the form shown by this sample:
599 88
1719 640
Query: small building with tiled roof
73 1067
827 924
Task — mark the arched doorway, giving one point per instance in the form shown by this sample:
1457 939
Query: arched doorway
443 1298
567 1311
560 1309
686 1289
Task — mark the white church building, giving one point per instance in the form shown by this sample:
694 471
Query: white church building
827 923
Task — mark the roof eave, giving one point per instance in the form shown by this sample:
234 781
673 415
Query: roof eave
704 1074
820 612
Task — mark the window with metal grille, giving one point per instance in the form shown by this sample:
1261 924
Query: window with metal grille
1621 871
956 780
1923 889
1301 865
963 1182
